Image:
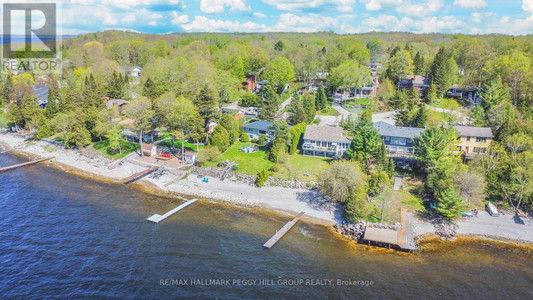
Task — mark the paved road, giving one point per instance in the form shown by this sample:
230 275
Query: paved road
387 117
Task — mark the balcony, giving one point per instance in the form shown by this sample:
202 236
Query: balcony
313 147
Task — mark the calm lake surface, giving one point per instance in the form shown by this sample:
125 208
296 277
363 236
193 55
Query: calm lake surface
64 236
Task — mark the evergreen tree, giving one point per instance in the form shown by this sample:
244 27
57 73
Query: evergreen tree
381 158
431 96
365 143
443 71
116 86
7 87
232 127
296 110
495 94
270 103
262 178
431 146
421 117
308 105
321 99
220 138
449 203
207 105
399 100
419 64
278 150
149 89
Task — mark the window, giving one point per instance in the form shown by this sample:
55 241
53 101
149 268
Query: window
398 141
480 150
468 139
387 138
481 139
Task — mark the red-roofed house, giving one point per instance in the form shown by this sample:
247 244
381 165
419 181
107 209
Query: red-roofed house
417 82
149 149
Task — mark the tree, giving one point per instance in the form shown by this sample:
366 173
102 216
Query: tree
444 71
296 110
321 100
250 100
270 103
232 127
339 181
211 154
349 75
116 86
296 133
449 203
308 106
365 143
115 139
495 94
399 65
262 178
431 96
278 150
149 89
431 146
207 104
419 64
279 73
357 206
73 133
141 112
279 46
220 138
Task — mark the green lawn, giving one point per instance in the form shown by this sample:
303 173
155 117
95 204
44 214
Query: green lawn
103 147
249 163
177 142
362 101
297 165
446 103
327 112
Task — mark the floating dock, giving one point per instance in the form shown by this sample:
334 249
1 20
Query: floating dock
158 218
138 176
13 167
402 238
280 233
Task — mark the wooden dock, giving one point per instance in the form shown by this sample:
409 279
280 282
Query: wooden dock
402 238
158 218
139 175
13 167
280 233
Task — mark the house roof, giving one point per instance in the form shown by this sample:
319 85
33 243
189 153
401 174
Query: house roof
417 79
386 129
148 146
259 125
325 134
118 102
190 153
41 91
466 88
474 131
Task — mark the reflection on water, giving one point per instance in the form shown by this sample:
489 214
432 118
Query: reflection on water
65 236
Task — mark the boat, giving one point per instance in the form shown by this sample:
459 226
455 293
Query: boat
492 210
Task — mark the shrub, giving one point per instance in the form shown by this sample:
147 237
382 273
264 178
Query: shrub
262 178
250 100
244 137
261 140
274 168
211 154
235 167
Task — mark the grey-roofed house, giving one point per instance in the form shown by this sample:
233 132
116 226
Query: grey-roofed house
41 91
258 128
118 103
470 93
325 141
398 140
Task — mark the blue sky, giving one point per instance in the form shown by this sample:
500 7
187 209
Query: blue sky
341 16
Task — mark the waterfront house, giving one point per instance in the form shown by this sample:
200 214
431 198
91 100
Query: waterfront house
471 94
325 141
473 141
132 71
249 83
259 128
116 103
417 82
42 91
369 90
210 127
398 140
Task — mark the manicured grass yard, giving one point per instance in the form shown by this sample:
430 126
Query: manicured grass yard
249 163
327 112
362 101
103 147
297 165
446 103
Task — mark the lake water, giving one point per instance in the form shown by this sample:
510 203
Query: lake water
64 236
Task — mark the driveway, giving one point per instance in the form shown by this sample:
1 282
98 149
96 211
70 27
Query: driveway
387 117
